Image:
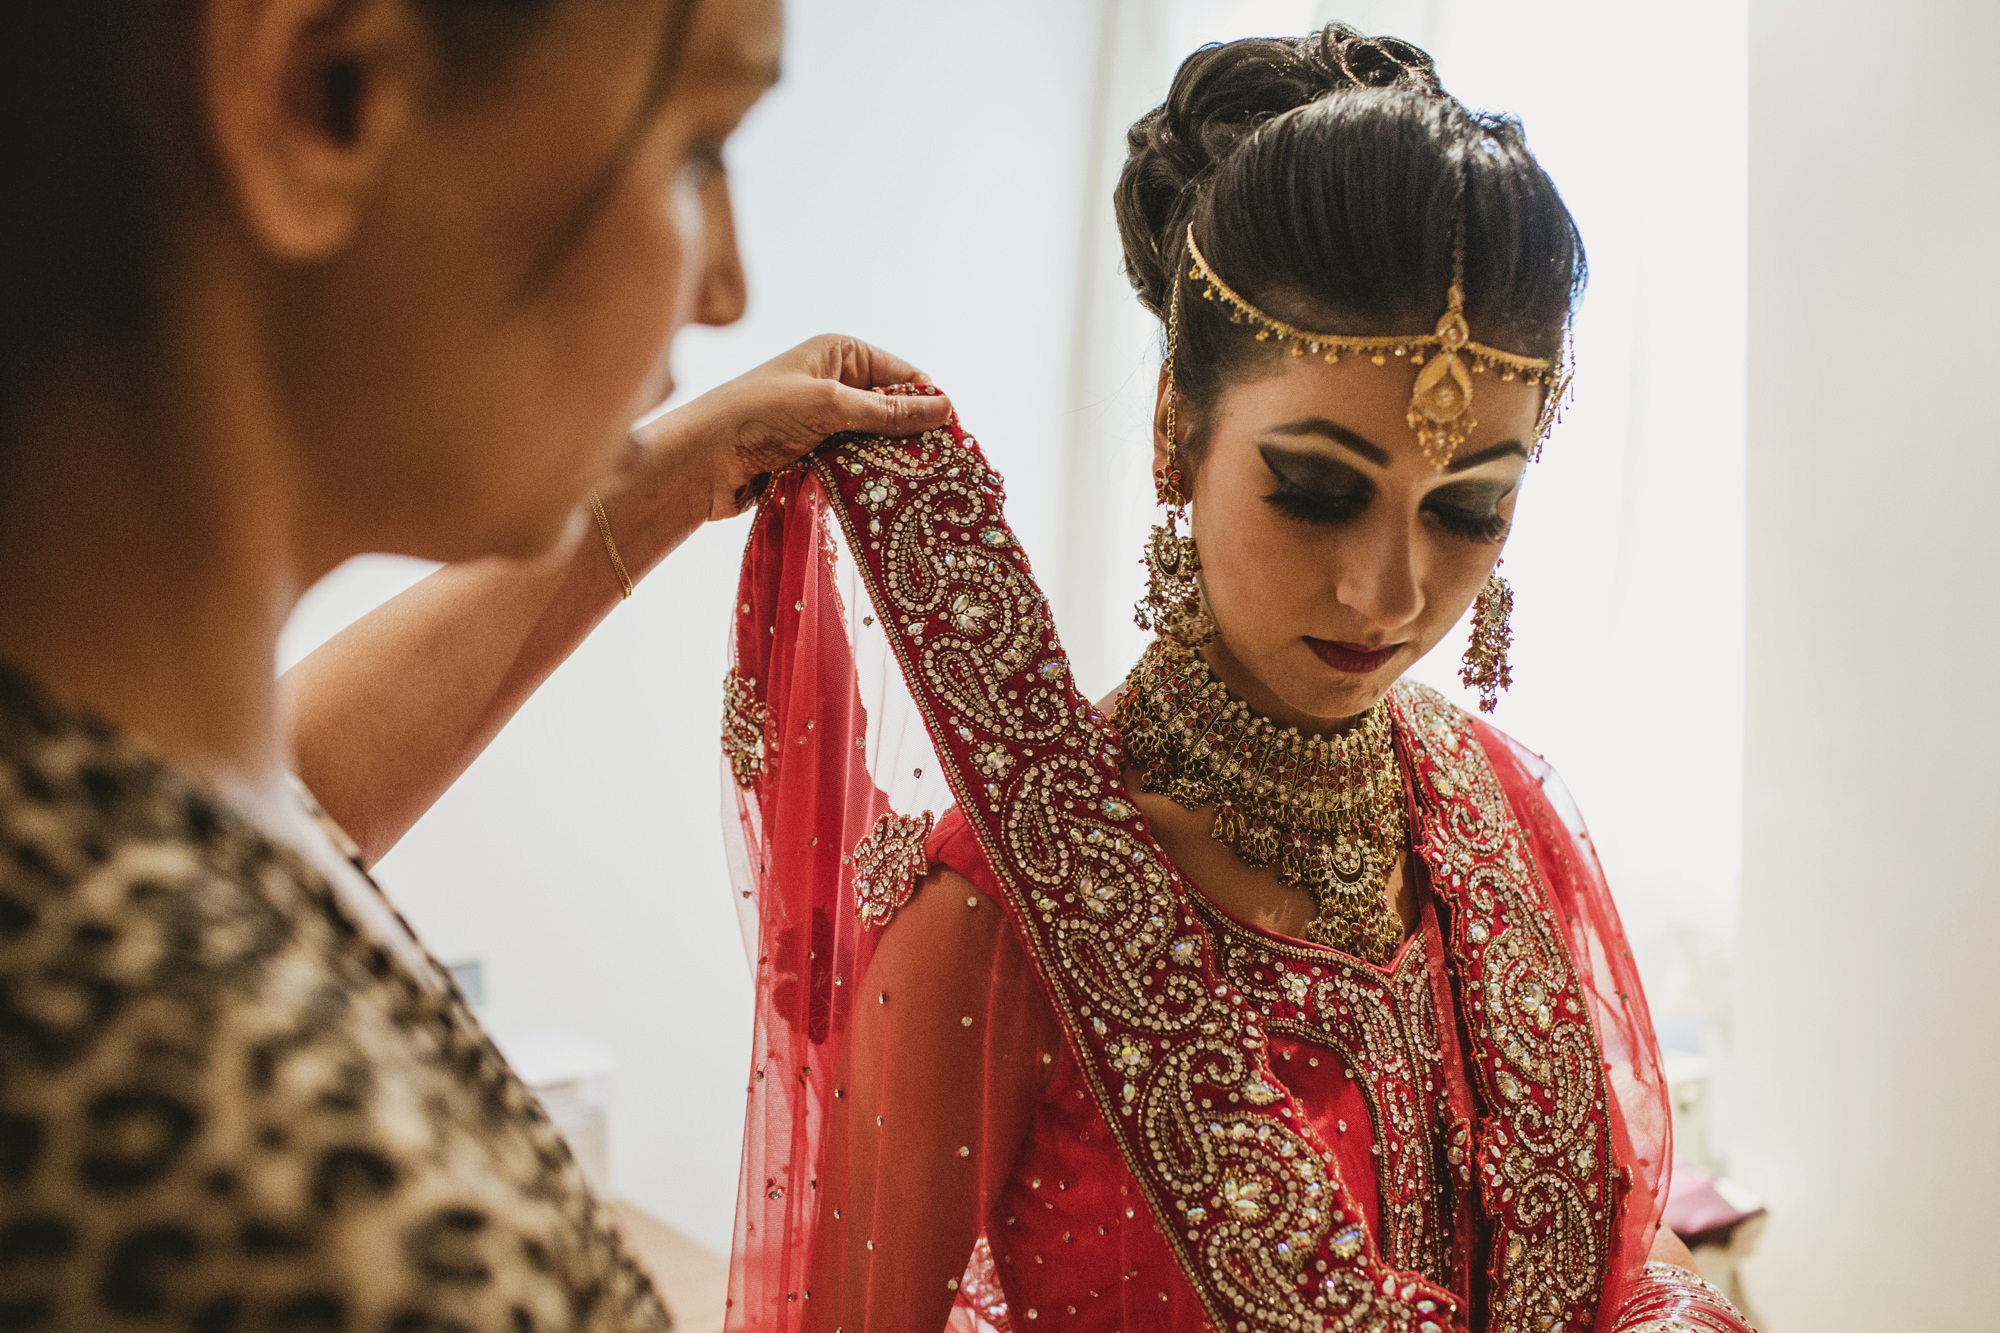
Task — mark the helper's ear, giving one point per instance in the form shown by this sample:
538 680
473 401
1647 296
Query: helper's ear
306 100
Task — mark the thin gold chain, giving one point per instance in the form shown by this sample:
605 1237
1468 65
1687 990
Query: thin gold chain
1530 367
610 546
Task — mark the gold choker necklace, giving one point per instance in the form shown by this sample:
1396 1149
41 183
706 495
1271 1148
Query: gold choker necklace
1326 812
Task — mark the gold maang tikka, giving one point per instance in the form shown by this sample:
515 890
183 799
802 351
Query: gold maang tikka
1441 404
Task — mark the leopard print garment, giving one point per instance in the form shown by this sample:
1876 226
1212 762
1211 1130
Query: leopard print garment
223 1111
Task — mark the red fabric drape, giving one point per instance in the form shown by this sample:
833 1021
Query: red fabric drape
1581 902
947 1123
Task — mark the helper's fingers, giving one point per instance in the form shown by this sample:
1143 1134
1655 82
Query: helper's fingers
862 365
886 414
879 367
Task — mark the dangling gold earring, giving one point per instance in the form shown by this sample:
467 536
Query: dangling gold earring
1173 606
1485 666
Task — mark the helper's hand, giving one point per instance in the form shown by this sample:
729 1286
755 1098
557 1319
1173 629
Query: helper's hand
724 443
377 744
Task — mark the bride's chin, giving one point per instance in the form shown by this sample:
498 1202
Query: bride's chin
1293 687
1323 709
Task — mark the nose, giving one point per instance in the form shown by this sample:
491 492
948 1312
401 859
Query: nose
1379 577
724 293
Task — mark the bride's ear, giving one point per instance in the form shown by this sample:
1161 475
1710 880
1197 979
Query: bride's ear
306 100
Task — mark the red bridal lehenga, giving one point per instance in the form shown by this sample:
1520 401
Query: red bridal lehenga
1059 1089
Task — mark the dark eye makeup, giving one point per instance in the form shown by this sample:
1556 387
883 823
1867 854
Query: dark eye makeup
1312 488
1471 511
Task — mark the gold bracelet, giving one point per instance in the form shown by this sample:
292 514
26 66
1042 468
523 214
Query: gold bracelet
610 547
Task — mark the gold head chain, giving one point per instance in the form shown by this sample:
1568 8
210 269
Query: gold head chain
1441 405
1169 486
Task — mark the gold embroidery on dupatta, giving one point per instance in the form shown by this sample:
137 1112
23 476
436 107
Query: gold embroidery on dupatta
1543 1162
888 864
1383 1025
1177 1057
743 715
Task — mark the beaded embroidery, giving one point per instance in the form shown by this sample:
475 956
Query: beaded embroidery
743 715
888 863
1383 1025
1241 1186
1543 1159
981 1290
1175 1052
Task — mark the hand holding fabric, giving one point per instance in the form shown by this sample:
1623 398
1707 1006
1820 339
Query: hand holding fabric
378 743
721 445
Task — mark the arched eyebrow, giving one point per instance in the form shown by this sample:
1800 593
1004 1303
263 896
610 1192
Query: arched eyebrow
1341 435
1487 455
1334 431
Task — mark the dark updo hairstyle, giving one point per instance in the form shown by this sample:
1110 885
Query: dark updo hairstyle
1325 176
103 150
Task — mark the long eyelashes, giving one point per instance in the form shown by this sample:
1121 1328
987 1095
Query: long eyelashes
1484 526
1319 509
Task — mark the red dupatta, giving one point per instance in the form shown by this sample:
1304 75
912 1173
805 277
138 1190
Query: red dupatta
895 657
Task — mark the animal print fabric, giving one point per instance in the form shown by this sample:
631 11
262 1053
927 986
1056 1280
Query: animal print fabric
222 1110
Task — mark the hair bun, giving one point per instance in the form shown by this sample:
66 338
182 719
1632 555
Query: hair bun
1379 62
1219 97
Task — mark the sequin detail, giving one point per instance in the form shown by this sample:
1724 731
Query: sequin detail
1543 1159
1239 1183
743 721
888 864
1383 1025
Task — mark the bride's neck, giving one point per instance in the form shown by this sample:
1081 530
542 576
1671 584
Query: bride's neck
1245 685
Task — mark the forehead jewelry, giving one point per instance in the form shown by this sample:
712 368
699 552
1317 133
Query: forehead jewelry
1441 405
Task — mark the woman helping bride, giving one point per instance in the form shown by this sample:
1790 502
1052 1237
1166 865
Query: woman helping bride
1273 992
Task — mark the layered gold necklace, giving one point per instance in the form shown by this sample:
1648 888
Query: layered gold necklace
1325 812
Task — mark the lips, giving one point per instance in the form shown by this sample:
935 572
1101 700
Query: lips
1353 658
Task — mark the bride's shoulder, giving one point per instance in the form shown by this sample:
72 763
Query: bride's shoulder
1450 731
1471 746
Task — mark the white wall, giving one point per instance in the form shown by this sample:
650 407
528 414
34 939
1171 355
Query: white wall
1869 1011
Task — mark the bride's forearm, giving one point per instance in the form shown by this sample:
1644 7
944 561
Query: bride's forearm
1668 1248
1671 1295
388 713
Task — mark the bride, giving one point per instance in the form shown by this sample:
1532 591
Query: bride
1273 992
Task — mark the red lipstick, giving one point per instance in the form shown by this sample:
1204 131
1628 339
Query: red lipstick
1352 658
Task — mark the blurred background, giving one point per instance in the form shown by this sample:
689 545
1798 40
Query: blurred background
934 176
